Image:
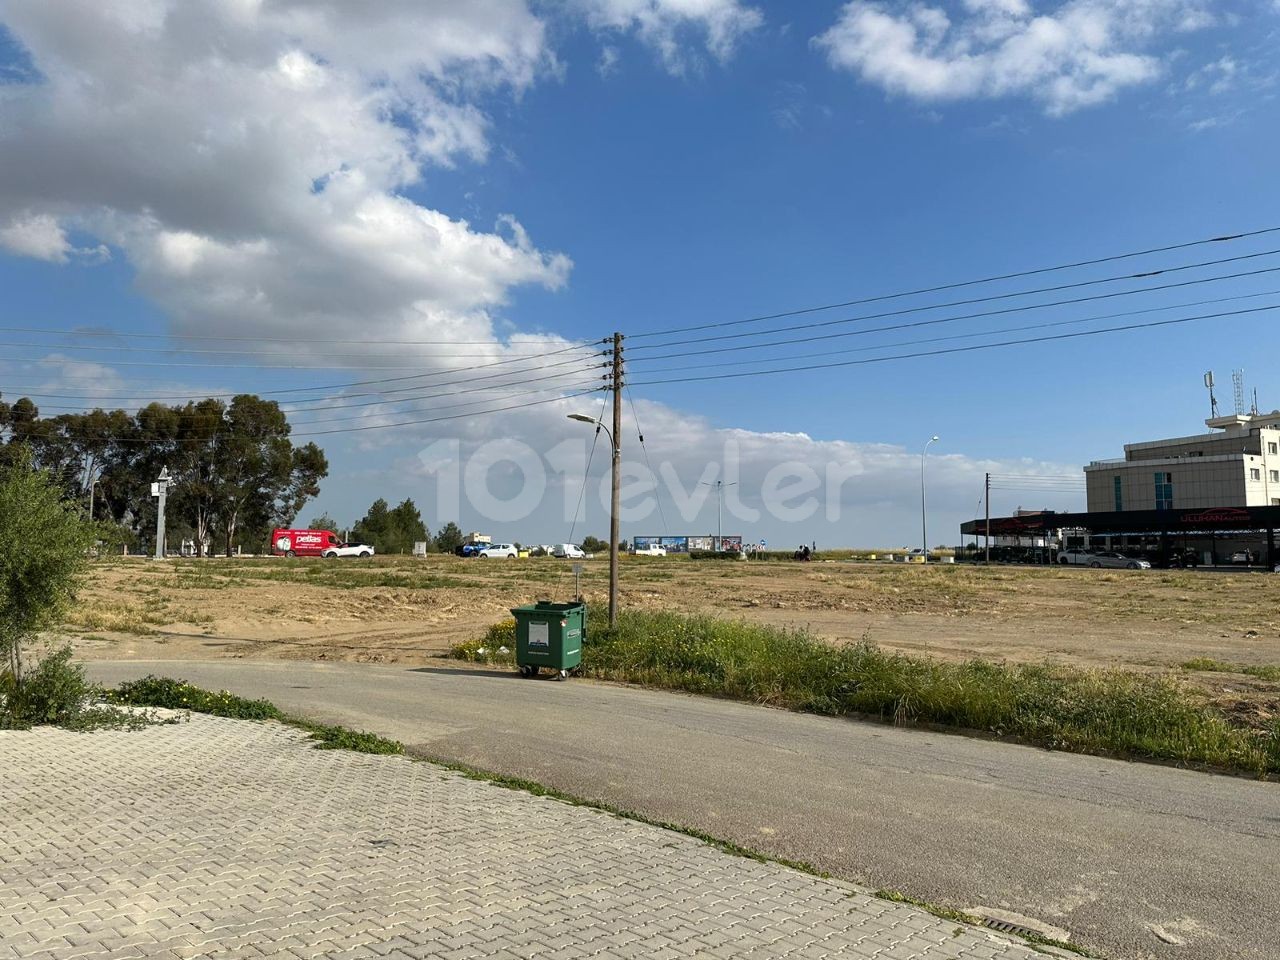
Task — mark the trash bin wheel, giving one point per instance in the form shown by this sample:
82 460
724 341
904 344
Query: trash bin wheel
526 670
563 675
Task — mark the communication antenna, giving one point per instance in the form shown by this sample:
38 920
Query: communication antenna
1237 381
1213 401
1254 409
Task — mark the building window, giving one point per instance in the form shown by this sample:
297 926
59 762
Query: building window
1255 473
1164 491
1115 486
1275 501
1275 476
1272 449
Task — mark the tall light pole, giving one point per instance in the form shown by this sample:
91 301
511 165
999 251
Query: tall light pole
719 485
160 490
924 520
613 518
93 485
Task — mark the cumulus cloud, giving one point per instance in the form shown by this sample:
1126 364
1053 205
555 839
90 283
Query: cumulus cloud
251 159
1078 54
663 23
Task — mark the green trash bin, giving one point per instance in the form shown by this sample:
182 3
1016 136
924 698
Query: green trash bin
549 635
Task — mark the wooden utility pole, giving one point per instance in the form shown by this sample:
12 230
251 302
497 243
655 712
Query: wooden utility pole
986 498
616 480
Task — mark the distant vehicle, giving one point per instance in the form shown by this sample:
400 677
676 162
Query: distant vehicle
1118 561
1179 558
503 551
920 552
303 543
1079 558
653 550
347 550
568 551
1243 557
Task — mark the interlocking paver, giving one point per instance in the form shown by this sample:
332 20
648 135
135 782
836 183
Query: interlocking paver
226 839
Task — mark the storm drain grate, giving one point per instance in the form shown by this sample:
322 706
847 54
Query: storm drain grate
1004 926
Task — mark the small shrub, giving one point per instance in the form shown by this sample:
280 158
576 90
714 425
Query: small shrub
57 692
498 645
165 692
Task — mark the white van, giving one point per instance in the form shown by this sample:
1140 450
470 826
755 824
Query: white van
568 551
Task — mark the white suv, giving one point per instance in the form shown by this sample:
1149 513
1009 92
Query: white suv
348 550
500 550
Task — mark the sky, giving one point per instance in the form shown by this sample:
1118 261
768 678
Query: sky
296 198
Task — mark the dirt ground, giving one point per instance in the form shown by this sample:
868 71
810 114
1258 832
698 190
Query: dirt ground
405 610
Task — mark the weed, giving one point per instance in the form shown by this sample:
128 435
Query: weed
497 646
173 694
1209 665
57 692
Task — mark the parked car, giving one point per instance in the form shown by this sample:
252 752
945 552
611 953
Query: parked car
1079 558
920 552
568 551
502 551
1118 561
1243 557
333 551
653 550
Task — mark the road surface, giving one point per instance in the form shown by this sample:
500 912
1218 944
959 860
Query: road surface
1136 861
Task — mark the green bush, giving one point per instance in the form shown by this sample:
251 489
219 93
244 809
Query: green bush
152 691
497 646
56 691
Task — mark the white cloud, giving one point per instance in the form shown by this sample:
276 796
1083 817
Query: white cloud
663 23
251 159
1081 53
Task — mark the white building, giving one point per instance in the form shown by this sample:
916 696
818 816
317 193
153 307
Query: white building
1235 465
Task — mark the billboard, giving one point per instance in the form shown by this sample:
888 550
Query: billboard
686 544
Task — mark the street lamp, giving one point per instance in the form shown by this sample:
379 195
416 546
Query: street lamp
613 515
719 485
924 523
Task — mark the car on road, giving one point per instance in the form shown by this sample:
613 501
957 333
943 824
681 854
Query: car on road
503 551
1079 558
337 550
1118 561
568 551
920 552
653 550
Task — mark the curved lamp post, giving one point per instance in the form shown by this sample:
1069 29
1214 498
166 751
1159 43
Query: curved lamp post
924 523
613 517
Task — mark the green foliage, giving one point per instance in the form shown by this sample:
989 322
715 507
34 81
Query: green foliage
324 522
153 691
448 538
391 530
234 468
43 545
498 645
179 695
1269 673
57 692
713 555
1087 711
594 545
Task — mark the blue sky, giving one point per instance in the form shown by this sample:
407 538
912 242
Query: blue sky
668 164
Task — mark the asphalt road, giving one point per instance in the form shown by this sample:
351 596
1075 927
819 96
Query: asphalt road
1136 861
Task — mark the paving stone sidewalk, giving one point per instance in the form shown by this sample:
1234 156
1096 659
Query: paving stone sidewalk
223 838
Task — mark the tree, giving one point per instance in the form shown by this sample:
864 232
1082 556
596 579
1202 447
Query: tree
46 540
594 545
324 522
391 530
448 538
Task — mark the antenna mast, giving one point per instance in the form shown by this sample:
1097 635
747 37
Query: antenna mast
1237 381
1213 401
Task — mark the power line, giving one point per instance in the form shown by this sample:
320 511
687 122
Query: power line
379 426
240 353
994 298
298 338
332 386
968 349
962 284
958 336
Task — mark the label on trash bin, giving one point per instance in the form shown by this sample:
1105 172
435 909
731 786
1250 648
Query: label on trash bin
538 634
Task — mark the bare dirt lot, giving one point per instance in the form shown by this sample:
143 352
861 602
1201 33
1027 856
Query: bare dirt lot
403 610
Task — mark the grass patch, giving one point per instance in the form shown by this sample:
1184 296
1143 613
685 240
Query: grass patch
1109 712
497 646
56 692
1209 665
173 694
